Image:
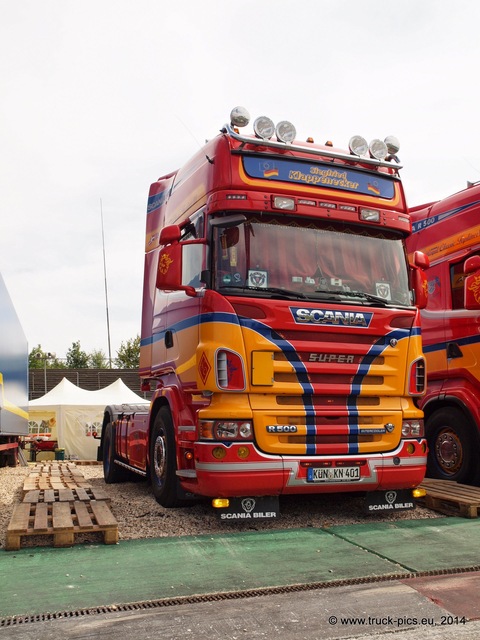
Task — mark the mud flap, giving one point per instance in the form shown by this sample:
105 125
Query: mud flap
184 495
400 500
263 508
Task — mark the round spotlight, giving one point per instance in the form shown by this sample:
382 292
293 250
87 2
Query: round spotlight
393 145
285 131
239 117
358 146
263 128
378 149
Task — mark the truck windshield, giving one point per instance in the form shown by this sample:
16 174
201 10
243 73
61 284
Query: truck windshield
272 257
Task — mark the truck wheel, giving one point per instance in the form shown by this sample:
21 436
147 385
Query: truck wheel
111 471
453 452
163 461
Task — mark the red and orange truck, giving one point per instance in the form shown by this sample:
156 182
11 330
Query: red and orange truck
280 328
448 232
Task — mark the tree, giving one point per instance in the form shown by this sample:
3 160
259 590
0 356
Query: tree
36 358
39 359
97 359
76 357
128 355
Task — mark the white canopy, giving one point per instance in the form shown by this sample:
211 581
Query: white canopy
73 414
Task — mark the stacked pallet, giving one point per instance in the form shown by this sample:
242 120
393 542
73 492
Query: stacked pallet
54 476
451 498
58 502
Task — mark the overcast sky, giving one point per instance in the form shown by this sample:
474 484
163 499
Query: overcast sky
101 97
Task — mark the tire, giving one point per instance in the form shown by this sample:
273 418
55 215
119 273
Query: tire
111 471
163 465
453 449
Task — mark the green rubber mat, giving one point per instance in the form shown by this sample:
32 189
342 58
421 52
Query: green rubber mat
45 579
419 545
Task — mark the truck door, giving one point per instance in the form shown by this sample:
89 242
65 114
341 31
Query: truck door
181 312
461 327
182 335
159 327
434 325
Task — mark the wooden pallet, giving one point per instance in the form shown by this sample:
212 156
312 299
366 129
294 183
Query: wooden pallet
33 483
56 470
451 498
62 520
82 494
58 502
62 468
55 476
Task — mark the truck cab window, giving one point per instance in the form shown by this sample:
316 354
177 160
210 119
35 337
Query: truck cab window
193 229
457 282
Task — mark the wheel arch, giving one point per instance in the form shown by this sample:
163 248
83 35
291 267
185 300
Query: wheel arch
451 402
450 424
111 413
169 398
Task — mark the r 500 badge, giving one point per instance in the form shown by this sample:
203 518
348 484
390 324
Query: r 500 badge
281 428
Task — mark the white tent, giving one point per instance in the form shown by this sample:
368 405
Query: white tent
72 414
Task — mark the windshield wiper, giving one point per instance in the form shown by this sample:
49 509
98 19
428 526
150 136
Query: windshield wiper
284 293
360 294
324 294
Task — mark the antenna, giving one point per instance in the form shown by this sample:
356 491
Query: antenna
106 291
193 136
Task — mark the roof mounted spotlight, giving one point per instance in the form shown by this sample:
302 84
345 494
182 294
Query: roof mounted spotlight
393 146
378 149
285 131
358 146
239 117
263 128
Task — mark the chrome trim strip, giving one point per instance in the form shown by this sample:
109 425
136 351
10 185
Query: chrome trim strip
187 473
127 466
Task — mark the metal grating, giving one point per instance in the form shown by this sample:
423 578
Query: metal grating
229 595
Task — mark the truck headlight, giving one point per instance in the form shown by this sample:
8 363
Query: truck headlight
413 429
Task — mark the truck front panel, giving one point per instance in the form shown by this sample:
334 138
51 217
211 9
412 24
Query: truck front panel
327 397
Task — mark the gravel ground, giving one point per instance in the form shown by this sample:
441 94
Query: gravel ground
139 515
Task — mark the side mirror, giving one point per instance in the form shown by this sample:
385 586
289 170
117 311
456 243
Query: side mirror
170 234
169 270
471 290
419 286
180 264
471 265
419 279
421 260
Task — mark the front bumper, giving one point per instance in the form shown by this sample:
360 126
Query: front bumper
261 474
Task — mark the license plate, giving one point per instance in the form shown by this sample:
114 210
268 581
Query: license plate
333 474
